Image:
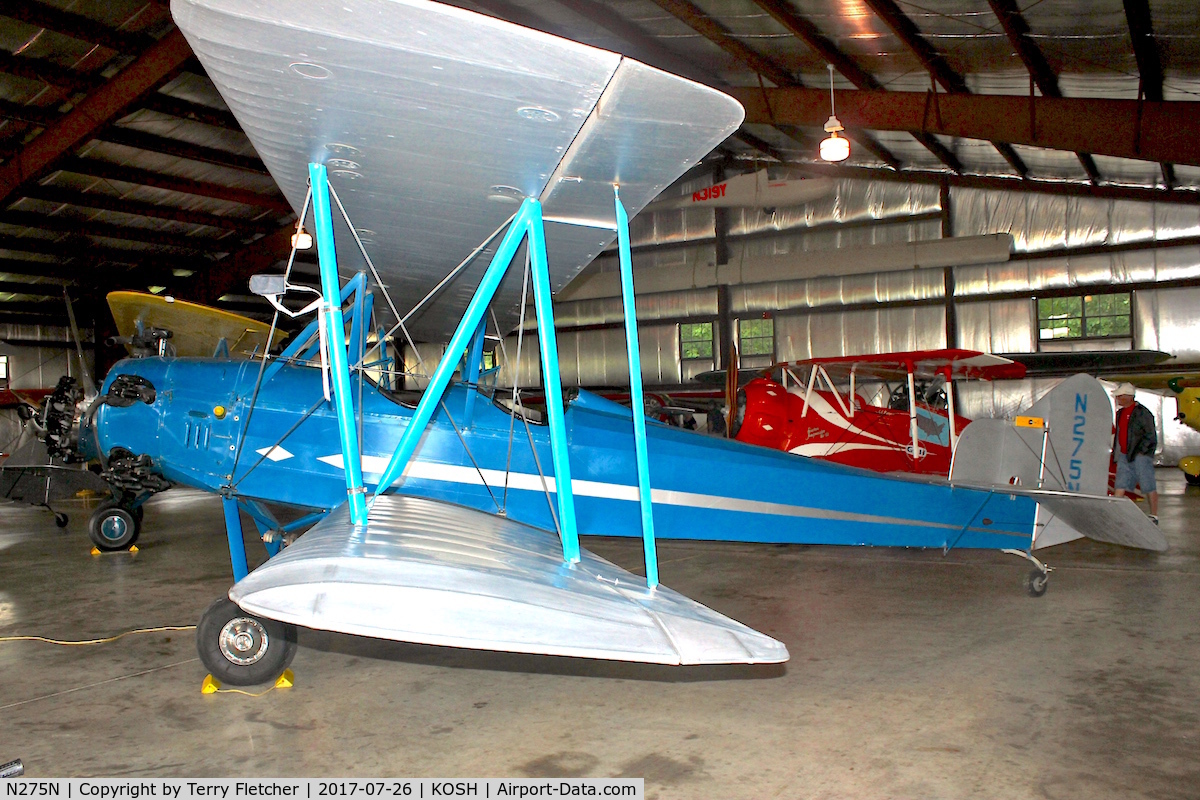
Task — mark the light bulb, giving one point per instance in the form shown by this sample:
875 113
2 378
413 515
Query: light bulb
835 148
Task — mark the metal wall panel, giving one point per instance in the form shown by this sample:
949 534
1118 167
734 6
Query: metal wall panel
608 310
1177 263
1168 320
834 333
878 287
34 367
888 231
1000 399
851 201
1044 222
1099 269
1000 326
599 357
1176 440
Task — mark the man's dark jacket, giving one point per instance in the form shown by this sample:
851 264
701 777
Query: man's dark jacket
1140 437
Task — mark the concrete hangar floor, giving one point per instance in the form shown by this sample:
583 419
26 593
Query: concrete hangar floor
912 675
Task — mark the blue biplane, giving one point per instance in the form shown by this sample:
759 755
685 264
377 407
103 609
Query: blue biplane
430 149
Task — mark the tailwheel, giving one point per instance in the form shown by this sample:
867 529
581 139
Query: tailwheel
241 649
114 527
61 519
1036 582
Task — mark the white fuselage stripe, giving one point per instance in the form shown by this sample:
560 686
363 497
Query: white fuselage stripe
373 467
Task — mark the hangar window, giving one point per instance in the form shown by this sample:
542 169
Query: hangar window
696 340
756 337
1089 316
3 370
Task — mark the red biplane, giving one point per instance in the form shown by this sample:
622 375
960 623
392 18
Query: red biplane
819 408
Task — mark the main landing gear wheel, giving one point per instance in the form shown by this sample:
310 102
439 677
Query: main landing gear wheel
241 649
113 527
1036 582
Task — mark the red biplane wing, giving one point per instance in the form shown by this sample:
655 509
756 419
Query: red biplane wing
924 364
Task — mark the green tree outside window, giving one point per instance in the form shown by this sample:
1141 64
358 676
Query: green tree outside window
756 337
696 339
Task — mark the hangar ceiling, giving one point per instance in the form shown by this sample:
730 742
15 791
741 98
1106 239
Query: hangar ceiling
121 168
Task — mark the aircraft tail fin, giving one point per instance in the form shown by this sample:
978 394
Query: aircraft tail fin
1072 424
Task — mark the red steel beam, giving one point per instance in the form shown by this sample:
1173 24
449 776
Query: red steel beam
696 19
1167 131
183 109
95 112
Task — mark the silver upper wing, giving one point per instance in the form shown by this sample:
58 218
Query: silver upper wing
435 122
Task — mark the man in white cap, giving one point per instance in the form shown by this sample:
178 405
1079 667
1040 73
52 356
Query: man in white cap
1133 448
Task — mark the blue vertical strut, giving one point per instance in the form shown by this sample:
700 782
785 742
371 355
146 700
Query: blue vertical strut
526 222
237 545
635 393
335 332
548 344
458 342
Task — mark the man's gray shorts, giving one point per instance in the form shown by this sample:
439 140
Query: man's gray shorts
1138 473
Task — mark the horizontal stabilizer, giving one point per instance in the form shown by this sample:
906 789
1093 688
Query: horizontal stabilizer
429 572
1115 520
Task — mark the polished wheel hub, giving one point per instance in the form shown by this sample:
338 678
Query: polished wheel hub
244 641
113 528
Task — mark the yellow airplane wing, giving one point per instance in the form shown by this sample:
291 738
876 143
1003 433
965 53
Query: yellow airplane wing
196 330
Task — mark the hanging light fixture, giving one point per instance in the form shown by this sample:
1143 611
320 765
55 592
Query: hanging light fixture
301 239
834 148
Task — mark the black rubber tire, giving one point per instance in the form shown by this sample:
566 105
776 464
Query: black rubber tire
113 527
1193 480
1036 583
268 646
61 520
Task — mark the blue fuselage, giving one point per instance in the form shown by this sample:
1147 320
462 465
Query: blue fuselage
703 488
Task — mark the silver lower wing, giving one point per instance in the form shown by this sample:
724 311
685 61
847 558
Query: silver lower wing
434 573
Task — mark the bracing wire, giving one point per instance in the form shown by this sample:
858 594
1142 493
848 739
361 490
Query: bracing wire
451 275
237 455
375 274
514 372
312 409
474 463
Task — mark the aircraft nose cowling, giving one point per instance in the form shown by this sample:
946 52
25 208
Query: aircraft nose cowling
184 413
129 416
